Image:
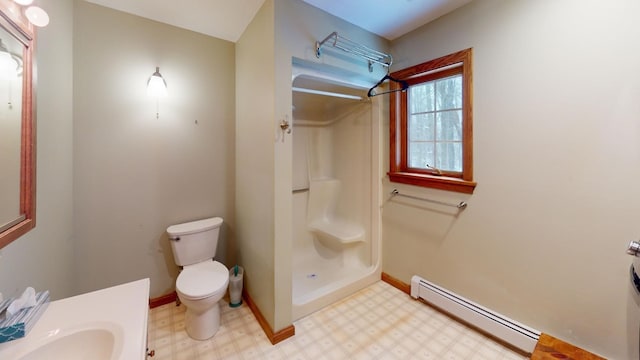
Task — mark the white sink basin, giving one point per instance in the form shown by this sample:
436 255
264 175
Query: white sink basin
98 341
108 324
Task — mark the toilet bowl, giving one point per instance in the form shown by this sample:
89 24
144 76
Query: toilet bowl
203 281
200 287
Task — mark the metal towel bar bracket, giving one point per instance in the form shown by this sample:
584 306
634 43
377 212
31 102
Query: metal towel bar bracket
461 205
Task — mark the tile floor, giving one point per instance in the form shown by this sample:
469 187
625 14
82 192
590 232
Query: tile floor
378 322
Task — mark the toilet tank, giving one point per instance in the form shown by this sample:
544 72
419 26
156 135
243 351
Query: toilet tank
195 241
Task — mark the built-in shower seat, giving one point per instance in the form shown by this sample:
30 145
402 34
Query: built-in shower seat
342 231
324 220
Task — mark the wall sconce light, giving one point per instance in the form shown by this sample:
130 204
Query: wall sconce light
157 87
10 63
36 15
10 69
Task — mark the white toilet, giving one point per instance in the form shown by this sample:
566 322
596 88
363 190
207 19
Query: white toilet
202 281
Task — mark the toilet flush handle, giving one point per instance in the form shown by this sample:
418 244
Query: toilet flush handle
634 248
175 238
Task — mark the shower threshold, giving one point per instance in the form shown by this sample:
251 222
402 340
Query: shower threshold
314 283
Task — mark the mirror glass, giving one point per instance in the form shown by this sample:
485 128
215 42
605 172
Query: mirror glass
17 138
10 127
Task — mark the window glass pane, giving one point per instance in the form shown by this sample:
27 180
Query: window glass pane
449 125
449 93
431 125
449 156
420 154
421 127
421 98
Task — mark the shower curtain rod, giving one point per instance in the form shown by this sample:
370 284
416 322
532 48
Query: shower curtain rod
327 93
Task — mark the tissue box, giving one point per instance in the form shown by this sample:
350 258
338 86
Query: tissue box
18 325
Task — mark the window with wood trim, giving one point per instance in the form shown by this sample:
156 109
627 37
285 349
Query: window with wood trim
431 125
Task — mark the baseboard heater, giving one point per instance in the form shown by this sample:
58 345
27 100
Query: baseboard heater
510 331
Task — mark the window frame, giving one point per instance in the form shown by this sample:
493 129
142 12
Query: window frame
457 63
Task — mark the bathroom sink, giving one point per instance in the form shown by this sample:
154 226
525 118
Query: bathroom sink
101 341
107 324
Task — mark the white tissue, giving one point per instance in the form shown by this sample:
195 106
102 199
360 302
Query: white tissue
27 299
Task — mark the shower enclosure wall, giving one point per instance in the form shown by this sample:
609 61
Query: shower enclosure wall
335 191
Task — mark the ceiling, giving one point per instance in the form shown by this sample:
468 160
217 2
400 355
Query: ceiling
388 18
227 19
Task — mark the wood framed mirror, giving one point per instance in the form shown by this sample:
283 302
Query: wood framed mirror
17 124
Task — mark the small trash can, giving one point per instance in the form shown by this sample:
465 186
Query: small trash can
235 286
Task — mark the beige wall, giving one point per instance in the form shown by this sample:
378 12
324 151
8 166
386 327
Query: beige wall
298 26
281 30
134 175
556 143
255 158
43 258
556 160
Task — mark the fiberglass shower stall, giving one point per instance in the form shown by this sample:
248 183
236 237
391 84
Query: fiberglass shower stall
336 189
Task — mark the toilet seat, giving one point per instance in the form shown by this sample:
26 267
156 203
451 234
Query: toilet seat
203 280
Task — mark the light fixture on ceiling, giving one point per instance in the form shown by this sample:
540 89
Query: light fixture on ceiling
156 85
35 14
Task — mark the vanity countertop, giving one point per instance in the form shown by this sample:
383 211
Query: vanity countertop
122 307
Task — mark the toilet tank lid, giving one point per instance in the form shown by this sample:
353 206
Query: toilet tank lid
194 226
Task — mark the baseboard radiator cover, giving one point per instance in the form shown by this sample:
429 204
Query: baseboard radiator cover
510 331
